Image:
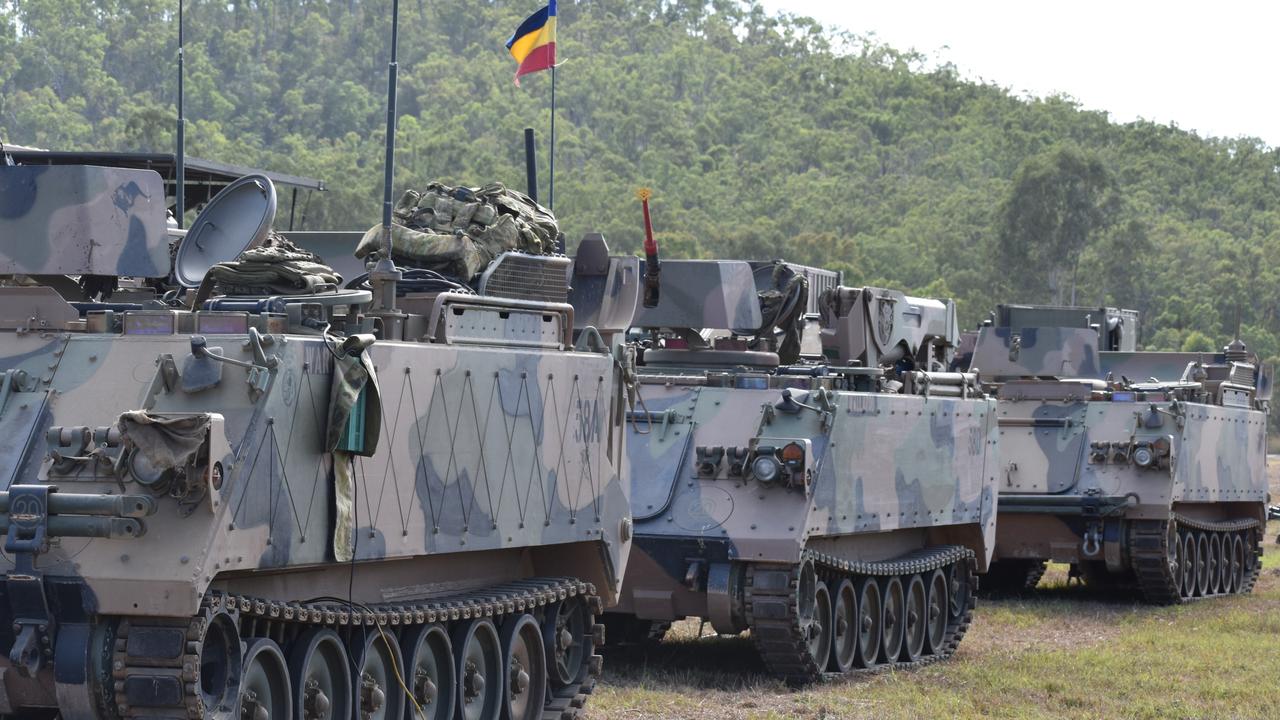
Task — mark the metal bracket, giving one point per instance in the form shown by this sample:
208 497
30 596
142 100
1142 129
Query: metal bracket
28 522
14 381
166 379
27 534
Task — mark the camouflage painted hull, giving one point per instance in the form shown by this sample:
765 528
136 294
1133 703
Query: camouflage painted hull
1066 498
892 481
495 494
1160 482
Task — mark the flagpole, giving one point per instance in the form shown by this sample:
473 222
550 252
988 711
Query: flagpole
179 195
551 185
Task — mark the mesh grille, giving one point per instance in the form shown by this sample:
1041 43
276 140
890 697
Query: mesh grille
544 278
1242 374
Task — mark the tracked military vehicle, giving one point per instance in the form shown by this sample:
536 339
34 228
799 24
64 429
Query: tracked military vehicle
1143 468
400 500
840 509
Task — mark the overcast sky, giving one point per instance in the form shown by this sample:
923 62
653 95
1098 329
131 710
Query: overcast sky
1212 67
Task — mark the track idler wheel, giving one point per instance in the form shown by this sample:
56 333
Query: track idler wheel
264 690
524 680
321 676
221 661
1252 551
565 634
959 592
1173 553
429 673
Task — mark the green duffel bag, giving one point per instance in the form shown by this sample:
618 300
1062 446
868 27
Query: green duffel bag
459 230
454 254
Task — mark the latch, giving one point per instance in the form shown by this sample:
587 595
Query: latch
260 370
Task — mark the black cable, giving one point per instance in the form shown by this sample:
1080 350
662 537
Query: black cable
415 280
355 533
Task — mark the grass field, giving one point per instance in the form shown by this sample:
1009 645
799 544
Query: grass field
1062 653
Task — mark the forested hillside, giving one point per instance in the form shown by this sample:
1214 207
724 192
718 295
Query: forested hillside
762 137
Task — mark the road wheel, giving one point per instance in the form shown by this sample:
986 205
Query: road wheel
430 673
870 623
477 656
844 627
321 676
1190 564
936 609
895 612
915 619
817 626
377 691
525 679
1202 563
1215 563
264 689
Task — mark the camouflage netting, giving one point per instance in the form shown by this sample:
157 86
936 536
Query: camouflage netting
456 231
277 267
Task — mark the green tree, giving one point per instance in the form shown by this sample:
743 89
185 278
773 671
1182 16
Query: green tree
762 136
1059 202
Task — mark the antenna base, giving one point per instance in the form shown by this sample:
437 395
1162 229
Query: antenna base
383 278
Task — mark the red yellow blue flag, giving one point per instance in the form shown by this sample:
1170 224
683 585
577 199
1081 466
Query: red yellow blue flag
534 43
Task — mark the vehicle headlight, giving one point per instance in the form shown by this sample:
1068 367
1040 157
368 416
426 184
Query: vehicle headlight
1143 456
766 468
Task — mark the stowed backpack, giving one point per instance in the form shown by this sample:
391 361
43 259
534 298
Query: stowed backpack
458 230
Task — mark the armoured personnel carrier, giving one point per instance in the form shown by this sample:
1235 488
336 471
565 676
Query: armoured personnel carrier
839 509
399 501
1134 467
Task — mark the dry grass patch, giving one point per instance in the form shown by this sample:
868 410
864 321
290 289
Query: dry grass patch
1060 653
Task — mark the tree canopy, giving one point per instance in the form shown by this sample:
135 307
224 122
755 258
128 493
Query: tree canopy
762 136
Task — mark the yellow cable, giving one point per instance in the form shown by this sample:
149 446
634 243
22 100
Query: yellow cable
395 667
